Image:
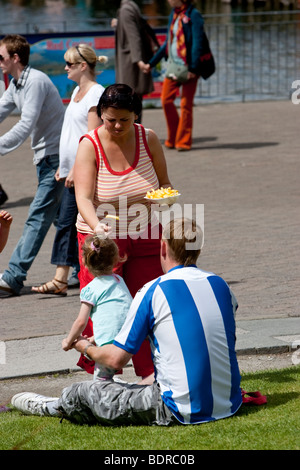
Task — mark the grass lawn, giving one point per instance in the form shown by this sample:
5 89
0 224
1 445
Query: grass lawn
274 426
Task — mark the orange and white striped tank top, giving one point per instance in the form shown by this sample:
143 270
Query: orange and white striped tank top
122 193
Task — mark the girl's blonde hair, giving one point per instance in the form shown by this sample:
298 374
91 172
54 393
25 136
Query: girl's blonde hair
100 255
84 53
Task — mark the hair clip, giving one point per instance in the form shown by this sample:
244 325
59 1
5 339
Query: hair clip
95 248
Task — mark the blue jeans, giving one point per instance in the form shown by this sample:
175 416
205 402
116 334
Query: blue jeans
65 247
42 212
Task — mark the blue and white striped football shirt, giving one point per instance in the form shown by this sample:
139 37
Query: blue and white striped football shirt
188 315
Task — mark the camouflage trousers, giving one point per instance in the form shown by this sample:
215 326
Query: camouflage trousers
113 403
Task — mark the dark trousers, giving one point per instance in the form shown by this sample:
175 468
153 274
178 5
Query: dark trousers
65 251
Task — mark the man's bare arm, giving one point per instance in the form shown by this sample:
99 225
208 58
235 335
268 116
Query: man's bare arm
108 355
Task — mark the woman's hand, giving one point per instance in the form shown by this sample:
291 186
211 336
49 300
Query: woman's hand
102 230
191 75
69 183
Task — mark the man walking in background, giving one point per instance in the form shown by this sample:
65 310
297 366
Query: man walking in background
131 53
41 117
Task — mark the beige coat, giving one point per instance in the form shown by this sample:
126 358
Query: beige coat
130 49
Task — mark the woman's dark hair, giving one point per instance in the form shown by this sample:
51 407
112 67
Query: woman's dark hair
119 96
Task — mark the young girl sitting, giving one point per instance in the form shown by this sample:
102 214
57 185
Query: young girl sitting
106 299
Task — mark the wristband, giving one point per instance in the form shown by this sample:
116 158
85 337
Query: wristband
85 352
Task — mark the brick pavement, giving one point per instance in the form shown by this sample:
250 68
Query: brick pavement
244 168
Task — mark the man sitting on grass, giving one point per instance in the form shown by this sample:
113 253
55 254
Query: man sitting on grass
188 316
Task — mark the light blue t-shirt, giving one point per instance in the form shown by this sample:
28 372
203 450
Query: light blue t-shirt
111 300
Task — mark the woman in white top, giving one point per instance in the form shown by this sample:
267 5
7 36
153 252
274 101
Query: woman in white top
80 117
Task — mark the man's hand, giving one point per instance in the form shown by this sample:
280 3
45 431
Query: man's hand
114 22
108 355
143 67
81 343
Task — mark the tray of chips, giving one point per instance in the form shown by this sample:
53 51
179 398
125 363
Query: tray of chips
163 196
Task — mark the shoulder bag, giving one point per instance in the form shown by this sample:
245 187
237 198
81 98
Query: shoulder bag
207 62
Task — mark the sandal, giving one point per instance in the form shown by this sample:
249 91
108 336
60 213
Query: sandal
253 398
44 289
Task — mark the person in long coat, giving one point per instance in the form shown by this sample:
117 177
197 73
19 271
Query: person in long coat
130 49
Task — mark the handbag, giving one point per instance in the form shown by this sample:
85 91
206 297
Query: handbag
177 72
207 62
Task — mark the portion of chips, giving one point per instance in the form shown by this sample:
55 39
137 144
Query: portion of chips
162 193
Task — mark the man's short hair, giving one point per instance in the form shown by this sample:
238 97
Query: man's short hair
16 44
184 238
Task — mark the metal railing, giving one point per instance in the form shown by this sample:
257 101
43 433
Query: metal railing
257 55
254 59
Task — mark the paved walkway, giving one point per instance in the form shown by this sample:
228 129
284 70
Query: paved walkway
244 167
